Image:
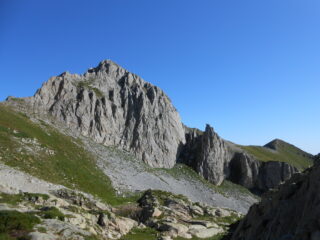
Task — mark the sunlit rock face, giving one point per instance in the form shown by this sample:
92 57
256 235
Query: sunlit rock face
118 108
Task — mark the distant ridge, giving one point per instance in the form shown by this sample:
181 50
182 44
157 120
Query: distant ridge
282 152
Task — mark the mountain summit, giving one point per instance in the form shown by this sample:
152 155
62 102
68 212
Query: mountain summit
118 108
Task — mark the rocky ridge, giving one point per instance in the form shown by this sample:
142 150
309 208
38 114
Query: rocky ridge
117 108
217 160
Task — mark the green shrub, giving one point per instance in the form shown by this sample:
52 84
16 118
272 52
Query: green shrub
52 213
14 223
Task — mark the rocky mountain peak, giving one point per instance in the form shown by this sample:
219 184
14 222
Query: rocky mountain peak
107 66
115 107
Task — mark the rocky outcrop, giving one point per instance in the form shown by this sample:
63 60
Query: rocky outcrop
291 212
216 160
115 107
175 216
258 176
64 214
207 153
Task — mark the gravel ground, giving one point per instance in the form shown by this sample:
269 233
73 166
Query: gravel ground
13 181
128 174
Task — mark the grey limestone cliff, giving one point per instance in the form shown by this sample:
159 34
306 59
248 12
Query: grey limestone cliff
206 153
115 107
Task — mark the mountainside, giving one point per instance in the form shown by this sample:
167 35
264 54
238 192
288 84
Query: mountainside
291 212
118 108
55 186
106 156
115 107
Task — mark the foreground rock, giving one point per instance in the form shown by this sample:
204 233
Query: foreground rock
175 216
65 215
291 212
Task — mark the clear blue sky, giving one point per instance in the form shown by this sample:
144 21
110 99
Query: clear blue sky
249 68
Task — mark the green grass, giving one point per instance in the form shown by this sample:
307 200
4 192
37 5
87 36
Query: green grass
87 85
216 237
16 225
14 199
285 153
151 234
42 229
51 213
141 234
70 166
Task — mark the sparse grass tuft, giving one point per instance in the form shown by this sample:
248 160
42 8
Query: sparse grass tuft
141 234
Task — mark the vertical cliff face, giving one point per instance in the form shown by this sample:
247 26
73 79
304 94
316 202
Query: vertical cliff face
115 107
207 153
216 160
214 157
291 212
258 176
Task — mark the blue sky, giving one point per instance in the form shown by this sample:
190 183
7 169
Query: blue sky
249 68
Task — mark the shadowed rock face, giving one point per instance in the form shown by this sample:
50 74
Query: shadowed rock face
115 107
291 212
258 176
207 153
217 160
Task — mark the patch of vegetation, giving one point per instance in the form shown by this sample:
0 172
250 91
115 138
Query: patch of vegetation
20 100
91 237
285 153
51 213
34 196
229 219
42 229
87 84
131 210
16 225
216 237
70 166
162 196
141 234
14 199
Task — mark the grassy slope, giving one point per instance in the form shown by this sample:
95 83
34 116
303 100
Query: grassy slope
70 166
284 153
